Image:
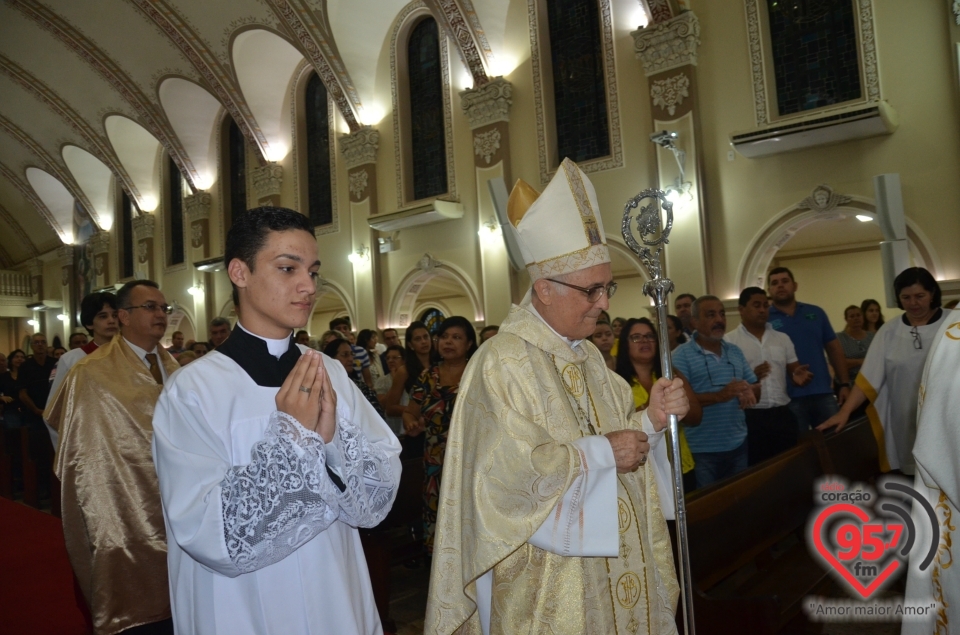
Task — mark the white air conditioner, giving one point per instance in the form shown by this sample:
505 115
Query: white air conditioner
857 122
433 212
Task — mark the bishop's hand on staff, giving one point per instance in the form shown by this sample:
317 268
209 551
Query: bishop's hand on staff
549 517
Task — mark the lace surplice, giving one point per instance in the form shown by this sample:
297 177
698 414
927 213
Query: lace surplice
283 498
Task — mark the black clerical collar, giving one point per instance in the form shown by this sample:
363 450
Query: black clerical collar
251 353
933 318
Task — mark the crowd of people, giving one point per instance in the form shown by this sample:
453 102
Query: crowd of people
233 475
783 371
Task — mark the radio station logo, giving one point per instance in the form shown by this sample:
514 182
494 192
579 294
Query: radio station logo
865 538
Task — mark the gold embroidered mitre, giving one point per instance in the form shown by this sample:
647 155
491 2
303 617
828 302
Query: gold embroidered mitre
559 231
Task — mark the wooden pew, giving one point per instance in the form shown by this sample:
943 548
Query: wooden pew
6 467
749 560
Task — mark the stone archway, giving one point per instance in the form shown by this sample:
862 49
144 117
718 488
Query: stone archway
404 302
823 204
326 287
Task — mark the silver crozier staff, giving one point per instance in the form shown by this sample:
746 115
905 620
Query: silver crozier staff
652 234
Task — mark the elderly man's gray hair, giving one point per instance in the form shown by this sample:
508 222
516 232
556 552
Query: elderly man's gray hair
695 309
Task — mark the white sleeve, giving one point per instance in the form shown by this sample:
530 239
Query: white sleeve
659 466
64 364
584 522
235 519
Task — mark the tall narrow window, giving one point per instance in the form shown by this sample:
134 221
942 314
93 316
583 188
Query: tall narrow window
815 54
237 157
174 220
319 191
126 236
578 80
429 156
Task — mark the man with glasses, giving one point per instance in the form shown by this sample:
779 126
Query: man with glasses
725 384
547 492
112 516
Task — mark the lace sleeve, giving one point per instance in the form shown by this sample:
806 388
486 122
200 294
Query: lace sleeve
281 499
368 476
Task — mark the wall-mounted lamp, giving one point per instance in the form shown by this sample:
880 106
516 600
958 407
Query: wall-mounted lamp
34 323
360 256
863 218
196 290
490 232
63 317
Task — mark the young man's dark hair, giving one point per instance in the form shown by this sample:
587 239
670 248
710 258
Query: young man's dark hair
748 293
777 270
248 234
123 295
93 304
918 275
335 322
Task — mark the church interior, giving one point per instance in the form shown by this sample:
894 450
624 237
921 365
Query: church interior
820 135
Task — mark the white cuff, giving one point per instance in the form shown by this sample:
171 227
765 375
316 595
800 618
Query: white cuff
584 522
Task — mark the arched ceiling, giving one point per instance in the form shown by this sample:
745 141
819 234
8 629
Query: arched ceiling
94 92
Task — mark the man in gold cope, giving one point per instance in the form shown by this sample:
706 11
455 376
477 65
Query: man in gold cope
549 518
112 517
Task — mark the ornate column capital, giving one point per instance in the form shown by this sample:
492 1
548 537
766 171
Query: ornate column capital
487 104
100 242
36 267
198 206
65 255
668 45
267 180
360 147
143 226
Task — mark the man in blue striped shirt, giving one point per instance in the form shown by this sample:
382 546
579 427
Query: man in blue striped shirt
724 384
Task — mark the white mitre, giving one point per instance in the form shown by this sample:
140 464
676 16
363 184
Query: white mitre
559 231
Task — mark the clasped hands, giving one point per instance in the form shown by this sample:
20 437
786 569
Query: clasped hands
741 390
631 447
307 396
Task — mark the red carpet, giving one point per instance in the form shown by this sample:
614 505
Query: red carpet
36 582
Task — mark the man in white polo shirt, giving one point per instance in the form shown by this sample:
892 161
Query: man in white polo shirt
771 426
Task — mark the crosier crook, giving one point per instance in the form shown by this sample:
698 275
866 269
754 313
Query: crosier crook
652 233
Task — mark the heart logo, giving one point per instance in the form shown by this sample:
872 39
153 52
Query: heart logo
858 543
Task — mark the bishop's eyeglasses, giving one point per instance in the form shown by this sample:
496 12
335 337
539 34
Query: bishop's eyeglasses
593 293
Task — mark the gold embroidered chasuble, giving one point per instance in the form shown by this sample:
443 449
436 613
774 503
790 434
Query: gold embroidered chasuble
509 460
112 517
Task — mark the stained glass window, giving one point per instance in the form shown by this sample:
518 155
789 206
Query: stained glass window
237 173
428 145
174 223
578 83
815 53
318 153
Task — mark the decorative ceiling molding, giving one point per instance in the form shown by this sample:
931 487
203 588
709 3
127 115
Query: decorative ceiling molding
659 11
8 218
462 25
219 80
31 196
51 165
315 44
99 145
152 117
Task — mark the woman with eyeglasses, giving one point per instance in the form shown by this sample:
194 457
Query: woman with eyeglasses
638 362
891 372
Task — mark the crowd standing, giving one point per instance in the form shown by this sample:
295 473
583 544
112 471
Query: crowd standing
745 395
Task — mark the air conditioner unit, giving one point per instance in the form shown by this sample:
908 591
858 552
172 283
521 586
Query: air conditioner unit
857 122
433 212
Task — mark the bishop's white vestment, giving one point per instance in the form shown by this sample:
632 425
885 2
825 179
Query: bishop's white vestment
261 514
936 453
